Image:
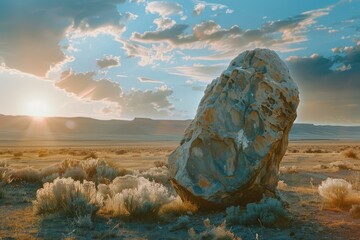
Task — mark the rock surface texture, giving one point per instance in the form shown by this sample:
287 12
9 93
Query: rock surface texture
231 151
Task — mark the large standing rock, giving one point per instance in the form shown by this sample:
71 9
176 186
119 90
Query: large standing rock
231 151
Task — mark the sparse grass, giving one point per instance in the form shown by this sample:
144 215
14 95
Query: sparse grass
3 163
176 208
293 150
18 154
350 153
345 165
91 155
309 150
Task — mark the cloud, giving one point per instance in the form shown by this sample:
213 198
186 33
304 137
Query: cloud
201 5
198 72
147 56
164 9
31 42
108 61
226 43
151 103
229 11
148 80
85 87
164 23
330 84
161 34
199 8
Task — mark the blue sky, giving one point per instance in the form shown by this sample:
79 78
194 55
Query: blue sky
136 58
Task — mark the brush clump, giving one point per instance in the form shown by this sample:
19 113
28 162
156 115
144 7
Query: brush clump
213 232
134 196
68 196
269 212
336 192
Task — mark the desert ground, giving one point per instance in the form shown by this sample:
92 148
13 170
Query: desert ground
305 165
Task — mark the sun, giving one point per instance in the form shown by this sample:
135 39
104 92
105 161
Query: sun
37 109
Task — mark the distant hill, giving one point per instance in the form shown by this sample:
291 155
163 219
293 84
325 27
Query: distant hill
17 128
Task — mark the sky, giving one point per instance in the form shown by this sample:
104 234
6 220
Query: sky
121 59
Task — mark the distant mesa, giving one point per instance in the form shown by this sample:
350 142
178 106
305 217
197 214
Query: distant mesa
231 151
22 129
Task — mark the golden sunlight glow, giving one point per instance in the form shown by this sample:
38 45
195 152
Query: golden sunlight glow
37 109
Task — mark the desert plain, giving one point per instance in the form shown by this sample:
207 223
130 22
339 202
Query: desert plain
305 165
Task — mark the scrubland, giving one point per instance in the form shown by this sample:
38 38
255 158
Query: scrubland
121 191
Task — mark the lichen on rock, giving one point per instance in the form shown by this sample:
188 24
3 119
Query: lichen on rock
231 151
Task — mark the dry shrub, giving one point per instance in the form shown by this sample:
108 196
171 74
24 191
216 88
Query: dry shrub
350 153
135 197
90 169
345 165
68 196
66 164
355 211
3 163
18 154
293 150
177 208
281 185
213 232
291 169
76 173
50 178
157 174
269 212
27 174
338 193
309 150
160 164
121 152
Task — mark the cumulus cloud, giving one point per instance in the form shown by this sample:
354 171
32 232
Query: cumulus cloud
150 103
31 42
164 9
85 87
108 61
164 23
330 84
